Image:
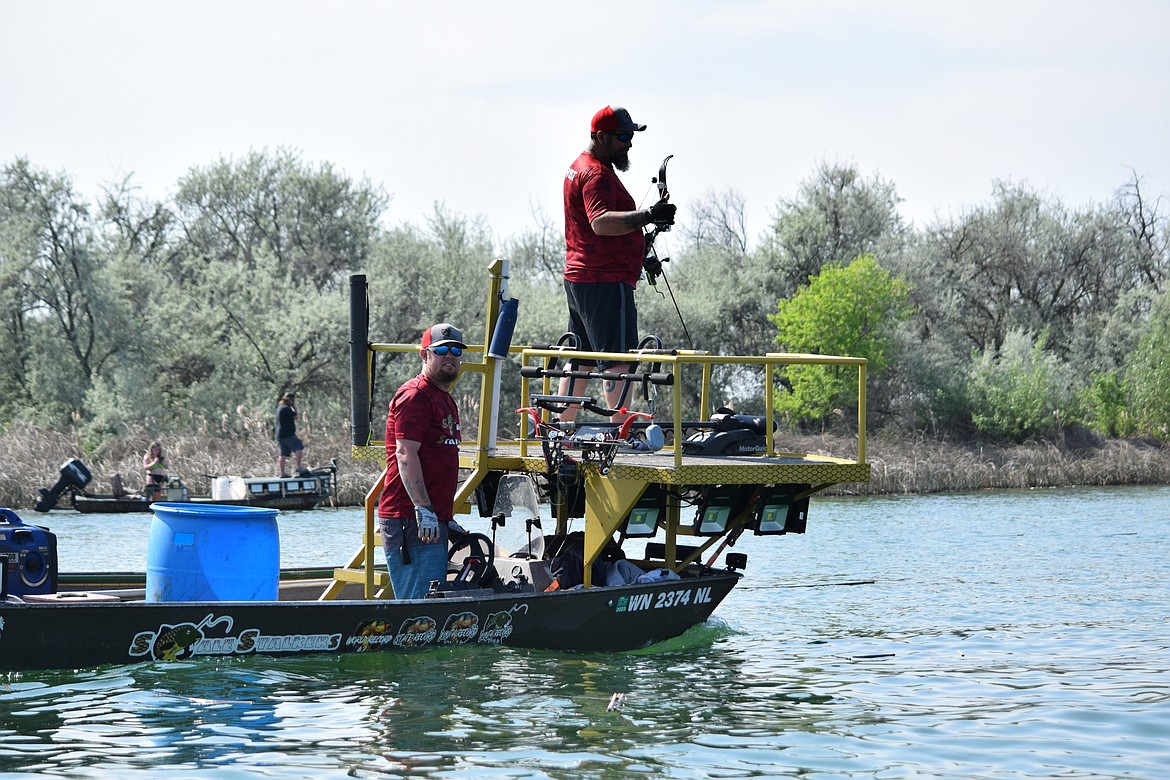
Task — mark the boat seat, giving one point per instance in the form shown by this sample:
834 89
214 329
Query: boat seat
657 551
117 487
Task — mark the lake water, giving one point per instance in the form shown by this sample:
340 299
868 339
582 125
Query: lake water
1000 635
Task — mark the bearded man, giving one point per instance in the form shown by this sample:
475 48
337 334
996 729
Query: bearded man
422 467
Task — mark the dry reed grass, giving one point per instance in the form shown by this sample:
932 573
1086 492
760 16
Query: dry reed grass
900 464
30 458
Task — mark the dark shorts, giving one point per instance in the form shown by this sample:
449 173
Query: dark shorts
289 445
604 317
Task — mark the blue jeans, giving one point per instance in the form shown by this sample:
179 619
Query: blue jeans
428 561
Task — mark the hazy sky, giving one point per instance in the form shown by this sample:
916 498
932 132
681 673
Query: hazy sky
482 105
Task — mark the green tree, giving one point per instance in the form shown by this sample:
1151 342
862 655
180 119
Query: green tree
726 287
538 255
423 276
1103 404
316 222
1147 372
18 248
1026 263
836 215
1019 392
849 310
240 288
69 318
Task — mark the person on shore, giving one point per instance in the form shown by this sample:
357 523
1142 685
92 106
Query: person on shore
155 464
286 434
422 467
604 249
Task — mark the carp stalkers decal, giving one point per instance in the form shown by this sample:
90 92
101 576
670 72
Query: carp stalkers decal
212 636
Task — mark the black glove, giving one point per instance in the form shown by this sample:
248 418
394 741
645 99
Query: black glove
662 213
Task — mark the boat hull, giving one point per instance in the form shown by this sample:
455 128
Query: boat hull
83 633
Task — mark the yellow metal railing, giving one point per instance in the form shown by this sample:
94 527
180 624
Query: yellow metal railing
678 360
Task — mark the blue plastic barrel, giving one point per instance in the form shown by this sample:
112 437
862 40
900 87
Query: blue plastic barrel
212 552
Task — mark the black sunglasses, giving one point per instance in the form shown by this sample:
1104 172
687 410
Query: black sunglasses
445 348
625 138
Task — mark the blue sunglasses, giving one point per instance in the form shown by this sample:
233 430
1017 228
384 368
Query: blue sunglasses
445 348
625 138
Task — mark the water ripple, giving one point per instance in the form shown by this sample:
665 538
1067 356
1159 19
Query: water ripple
989 636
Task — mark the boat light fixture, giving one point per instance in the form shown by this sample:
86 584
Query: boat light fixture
781 512
720 504
651 507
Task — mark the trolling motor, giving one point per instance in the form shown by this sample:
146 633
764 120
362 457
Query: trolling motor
729 433
74 476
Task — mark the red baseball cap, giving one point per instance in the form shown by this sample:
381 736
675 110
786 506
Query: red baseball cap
443 333
613 118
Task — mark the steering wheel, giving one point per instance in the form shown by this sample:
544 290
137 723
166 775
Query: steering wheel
481 547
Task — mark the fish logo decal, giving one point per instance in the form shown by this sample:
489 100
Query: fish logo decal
371 633
415 632
496 628
459 628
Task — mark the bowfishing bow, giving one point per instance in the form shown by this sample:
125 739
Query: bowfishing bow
651 263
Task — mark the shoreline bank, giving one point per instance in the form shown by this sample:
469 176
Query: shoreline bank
30 459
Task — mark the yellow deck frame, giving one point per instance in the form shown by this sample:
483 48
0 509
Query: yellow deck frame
609 498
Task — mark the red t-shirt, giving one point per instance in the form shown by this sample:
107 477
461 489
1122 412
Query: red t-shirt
422 411
593 188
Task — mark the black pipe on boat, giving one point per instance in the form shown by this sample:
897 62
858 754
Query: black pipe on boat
359 366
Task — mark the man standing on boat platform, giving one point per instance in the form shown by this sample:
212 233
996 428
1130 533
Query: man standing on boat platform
422 467
604 249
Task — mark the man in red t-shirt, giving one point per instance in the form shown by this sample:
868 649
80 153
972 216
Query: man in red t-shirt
422 467
604 248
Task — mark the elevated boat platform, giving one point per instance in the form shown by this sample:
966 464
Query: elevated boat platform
617 492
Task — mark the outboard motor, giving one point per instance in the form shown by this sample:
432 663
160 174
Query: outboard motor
28 557
74 476
327 476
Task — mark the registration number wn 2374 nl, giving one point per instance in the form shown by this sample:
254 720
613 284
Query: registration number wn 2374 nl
664 600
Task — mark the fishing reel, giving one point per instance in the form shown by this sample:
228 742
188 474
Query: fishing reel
651 263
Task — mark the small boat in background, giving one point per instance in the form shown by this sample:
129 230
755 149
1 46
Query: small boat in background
304 491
